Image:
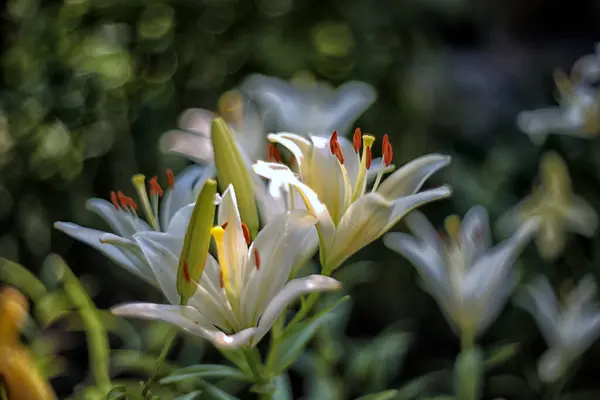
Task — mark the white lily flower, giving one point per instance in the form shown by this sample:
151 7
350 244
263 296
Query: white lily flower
333 185
170 215
192 139
578 113
470 281
569 329
556 206
310 107
239 297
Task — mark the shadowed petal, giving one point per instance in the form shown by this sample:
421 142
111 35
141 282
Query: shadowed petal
122 223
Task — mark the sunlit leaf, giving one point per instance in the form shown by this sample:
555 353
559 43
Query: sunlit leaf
204 371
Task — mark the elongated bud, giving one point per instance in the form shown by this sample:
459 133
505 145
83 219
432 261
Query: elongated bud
196 242
231 169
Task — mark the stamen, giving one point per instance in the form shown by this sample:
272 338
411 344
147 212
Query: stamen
368 158
356 140
246 233
365 164
335 148
387 151
218 234
126 202
155 188
224 226
170 179
113 199
139 181
452 226
332 141
221 281
257 260
274 154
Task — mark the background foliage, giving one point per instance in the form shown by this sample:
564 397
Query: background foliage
89 86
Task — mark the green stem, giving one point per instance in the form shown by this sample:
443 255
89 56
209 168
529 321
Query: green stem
95 331
255 364
467 341
171 336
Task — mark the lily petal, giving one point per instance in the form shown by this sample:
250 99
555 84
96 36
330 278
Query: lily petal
409 179
299 146
122 223
292 291
541 302
581 217
180 221
131 261
475 236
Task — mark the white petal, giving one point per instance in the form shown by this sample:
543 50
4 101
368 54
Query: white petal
282 173
370 217
184 191
299 146
350 101
409 179
187 318
475 236
427 260
278 247
161 252
292 291
236 249
121 222
553 365
541 302
420 226
581 217
133 262
196 120
538 123
180 221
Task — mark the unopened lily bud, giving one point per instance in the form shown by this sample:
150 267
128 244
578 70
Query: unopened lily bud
231 169
197 241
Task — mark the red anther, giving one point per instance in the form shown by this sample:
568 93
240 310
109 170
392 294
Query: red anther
356 140
368 157
256 258
186 272
338 153
274 154
155 188
387 150
246 233
113 199
224 226
333 141
126 201
221 279
170 179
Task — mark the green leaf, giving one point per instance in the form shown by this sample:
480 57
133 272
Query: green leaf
468 371
17 275
52 306
385 395
499 355
283 388
214 392
190 396
204 371
436 381
288 351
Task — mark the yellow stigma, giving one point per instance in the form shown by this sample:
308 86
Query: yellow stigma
138 180
452 226
218 233
368 140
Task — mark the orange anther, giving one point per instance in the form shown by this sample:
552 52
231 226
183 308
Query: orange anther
333 141
170 179
356 140
113 199
387 150
368 157
256 258
274 154
221 279
186 272
126 201
246 233
224 226
155 188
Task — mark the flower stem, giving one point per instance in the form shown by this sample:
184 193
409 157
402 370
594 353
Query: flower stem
171 336
255 364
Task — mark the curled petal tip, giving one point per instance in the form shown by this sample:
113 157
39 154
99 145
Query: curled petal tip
324 283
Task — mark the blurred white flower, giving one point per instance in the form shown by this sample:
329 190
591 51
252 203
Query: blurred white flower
239 297
569 329
557 208
333 185
578 112
470 280
307 107
170 215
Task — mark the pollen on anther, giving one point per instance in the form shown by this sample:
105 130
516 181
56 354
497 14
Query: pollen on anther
257 258
113 199
155 188
274 154
333 142
170 179
246 233
224 226
186 272
387 151
356 140
221 279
